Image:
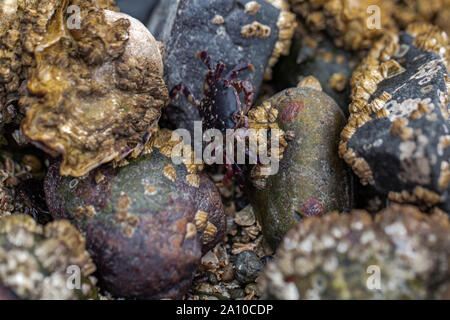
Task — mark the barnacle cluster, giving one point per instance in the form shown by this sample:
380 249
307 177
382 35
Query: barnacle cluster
357 24
12 174
375 100
436 12
91 92
286 28
400 254
23 27
347 21
34 260
263 122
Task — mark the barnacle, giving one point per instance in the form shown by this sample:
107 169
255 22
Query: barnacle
404 97
335 256
286 28
34 260
23 25
263 119
347 21
93 91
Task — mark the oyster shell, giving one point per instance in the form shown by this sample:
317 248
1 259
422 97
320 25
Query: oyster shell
92 94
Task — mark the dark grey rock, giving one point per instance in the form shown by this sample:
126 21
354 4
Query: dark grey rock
410 162
247 267
186 27
139 9
306 60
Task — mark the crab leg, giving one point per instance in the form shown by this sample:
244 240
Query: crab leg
249 92
232 75
206 59
186 92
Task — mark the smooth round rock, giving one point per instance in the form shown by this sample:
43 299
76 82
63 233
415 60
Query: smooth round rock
312 179
146 224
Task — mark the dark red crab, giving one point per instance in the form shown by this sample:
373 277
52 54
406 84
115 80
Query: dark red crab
221 106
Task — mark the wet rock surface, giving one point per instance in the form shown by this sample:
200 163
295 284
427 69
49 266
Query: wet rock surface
146 224
340 256
397 138
311 179
188 26
35 261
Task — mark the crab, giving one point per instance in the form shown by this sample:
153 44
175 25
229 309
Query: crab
221 106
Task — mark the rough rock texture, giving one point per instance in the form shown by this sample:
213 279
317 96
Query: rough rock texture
146 223
398 136
89 82
35 260
436 12
139 9
23 26
340 257
217 26
248 267
317 56
352 23
312 179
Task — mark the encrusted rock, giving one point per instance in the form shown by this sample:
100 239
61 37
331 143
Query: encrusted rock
348 22
137 8
358 24
401 254
311 179
189 26
142 222
90 83
398 134
38 262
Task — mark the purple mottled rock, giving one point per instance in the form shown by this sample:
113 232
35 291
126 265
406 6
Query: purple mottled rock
146 224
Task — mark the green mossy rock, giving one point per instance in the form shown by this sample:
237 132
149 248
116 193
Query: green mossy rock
312 179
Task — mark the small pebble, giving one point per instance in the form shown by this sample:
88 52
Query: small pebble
245 217
248 267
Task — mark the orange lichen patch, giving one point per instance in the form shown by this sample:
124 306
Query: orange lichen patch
286 28
95 93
